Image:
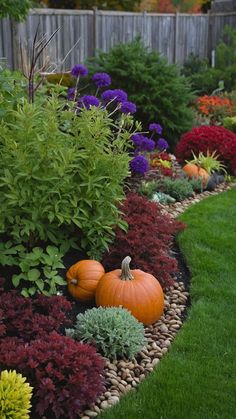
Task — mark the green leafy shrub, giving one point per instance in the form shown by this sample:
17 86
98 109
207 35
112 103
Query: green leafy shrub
147 188
115 331
230 123
15 396
179 189
196 184
158 90
62 175
16 10
38 268
205 79
12 90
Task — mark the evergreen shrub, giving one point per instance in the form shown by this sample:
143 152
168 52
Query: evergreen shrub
156 87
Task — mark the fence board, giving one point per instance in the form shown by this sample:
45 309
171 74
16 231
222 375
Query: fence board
174 36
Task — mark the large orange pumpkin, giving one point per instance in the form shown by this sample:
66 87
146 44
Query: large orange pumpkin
194 171
135 290
82 279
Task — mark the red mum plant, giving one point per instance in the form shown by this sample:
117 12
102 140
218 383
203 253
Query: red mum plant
148 240
212 139
66 375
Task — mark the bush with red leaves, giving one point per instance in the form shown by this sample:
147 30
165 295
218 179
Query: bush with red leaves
29 318
2 325
147 241
212 138
65 374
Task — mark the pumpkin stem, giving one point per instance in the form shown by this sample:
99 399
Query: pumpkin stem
73 281
125 269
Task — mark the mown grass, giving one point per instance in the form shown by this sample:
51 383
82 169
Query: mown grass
197 378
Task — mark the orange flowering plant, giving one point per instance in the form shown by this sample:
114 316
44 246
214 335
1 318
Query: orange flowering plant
214 108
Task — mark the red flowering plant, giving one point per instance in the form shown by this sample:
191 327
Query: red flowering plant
162 161
209 139
214 108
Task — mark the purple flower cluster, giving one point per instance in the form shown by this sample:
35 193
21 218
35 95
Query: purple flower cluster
71 93
87 101
128 107
139 164
143 143
79 70
155 128
162 144
101 79
116 95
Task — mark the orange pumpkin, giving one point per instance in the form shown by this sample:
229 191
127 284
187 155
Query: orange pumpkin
82 279
135 290
192 170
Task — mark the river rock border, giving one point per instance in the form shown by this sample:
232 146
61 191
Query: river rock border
123 375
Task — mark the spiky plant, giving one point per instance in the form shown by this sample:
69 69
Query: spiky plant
209 162
15 395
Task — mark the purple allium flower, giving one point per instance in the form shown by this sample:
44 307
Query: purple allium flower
128 107
139 164
147 144
79 70
117 95
88 101
137 139
157 128
143 143
162 144
71 93
101 79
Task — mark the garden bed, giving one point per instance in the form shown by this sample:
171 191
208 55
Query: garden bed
123 375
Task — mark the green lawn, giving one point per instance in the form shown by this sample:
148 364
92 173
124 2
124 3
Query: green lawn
197 378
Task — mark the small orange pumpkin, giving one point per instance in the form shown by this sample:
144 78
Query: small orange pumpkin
82 279
192 170
135 290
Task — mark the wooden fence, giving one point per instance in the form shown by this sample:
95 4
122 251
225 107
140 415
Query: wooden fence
175 36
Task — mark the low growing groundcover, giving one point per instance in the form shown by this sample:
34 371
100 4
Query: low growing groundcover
197 377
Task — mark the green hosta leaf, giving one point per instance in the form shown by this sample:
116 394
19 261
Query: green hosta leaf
40 284
32 291
52 251
33 275
16 279
59 280
25 292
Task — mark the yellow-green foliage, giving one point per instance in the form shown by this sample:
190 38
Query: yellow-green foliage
15 395
64 79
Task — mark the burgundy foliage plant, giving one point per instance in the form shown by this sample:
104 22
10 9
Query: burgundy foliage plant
147 242
211 138
29 318
66 375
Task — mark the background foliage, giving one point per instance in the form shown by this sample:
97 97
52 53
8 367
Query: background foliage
158 90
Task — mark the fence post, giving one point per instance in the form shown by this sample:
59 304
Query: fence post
15 44
144 29
95 30
176 37
209 37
